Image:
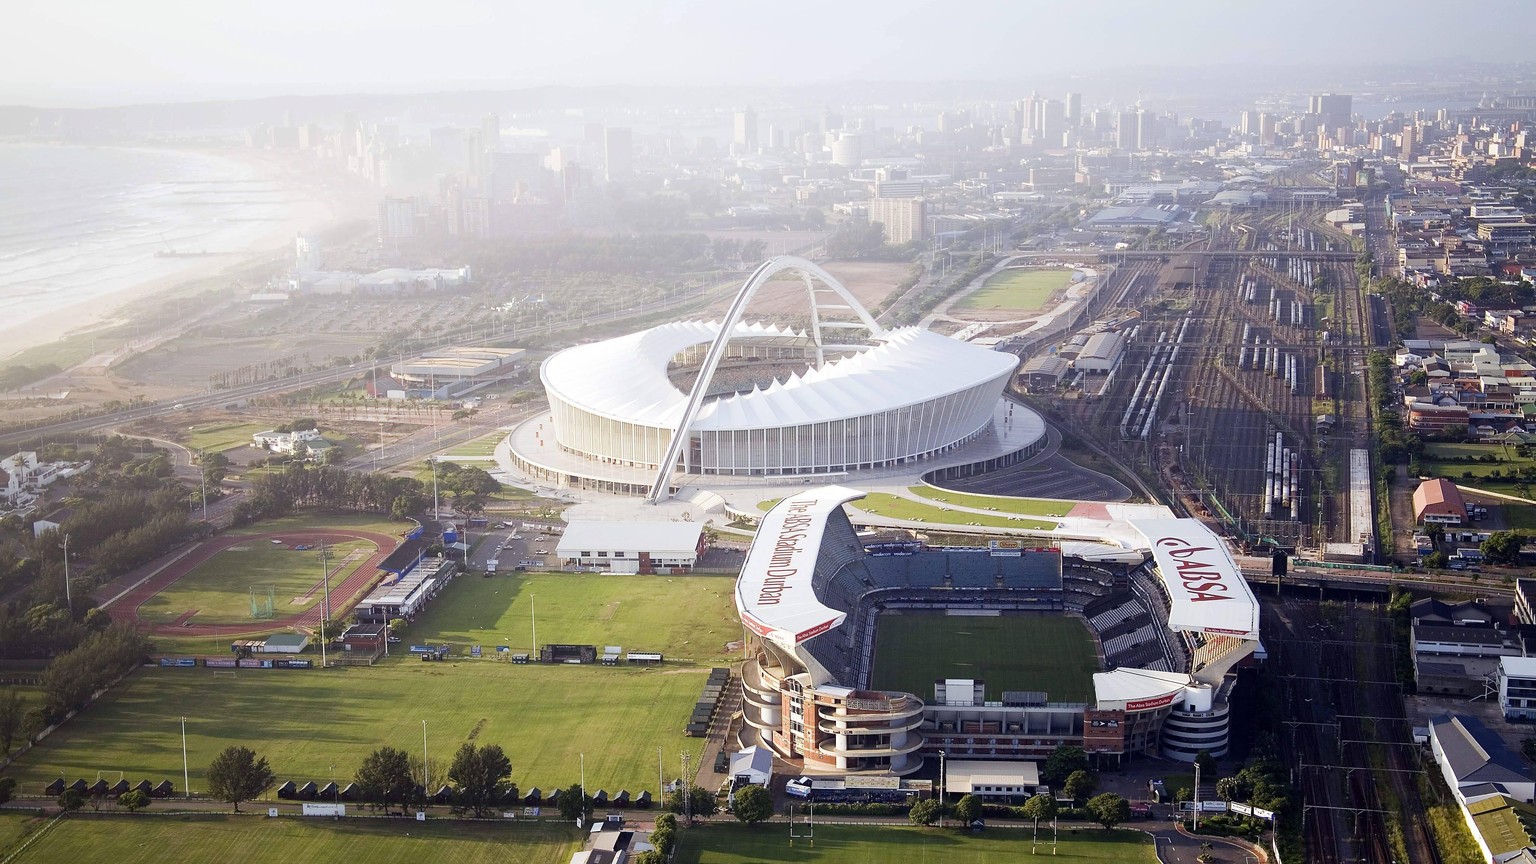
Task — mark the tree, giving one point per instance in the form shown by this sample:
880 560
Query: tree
575 804
1040 807
7 789
71 800
753 804
1184 793
1206 762
1062 762
1528 749
1109 809
1502 547
238 774
1436 560
385 777
926 811
1080 785
480 776
968 809
700 803
133 800
12 712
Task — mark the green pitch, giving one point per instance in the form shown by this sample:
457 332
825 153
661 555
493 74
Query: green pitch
1024 290
306 722
258 840
683 617
219 588
1010 652
861 844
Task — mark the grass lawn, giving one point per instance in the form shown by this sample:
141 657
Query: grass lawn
1014 288
896 507
219 588
545 717
1522 516
15 826
504 493
767 505
218 437
485 446
257 840
683 617
869 844
1001 503
310 521
1010 652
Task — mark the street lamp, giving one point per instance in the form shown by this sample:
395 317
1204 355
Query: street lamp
186 783
943 787
67 601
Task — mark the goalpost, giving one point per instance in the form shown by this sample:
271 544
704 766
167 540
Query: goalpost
809 834
263 602
224 673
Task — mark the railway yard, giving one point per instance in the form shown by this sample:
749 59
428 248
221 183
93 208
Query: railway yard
1241 389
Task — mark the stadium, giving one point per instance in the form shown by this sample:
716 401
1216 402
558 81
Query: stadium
731 398
1167 613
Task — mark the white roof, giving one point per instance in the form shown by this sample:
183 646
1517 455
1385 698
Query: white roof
626 378
1137 689
962 775
1208 591
773 593
753 760
657 538
1518 667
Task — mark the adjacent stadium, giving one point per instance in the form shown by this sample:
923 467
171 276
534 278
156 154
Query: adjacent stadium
836 396
1167 612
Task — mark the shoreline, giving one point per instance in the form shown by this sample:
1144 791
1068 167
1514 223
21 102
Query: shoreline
319 210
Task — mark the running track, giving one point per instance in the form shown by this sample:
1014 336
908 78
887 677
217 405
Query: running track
127 608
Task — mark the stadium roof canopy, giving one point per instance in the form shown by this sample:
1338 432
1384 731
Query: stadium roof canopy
774 593
905 366
1207 590
1138 689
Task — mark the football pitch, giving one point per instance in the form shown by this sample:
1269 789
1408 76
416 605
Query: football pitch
868 844
686 618
308 722
219 589
152 839
1008 652
1016 289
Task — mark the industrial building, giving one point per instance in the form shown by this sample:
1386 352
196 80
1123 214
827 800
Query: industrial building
1438 502
1101 353
632 547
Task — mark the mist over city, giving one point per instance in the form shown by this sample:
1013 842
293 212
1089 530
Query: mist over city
830 432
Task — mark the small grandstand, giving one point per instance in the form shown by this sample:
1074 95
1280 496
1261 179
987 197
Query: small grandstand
1171 615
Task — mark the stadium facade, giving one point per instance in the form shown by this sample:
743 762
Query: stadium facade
1169 607
836 396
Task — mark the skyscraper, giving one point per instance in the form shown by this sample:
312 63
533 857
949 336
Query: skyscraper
618 153
1074 110
1125 131
1332 109
746 131
1146 129
1052 122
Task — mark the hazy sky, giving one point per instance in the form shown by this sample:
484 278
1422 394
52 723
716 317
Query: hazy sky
89 52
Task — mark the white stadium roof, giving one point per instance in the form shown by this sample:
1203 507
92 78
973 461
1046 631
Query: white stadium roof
1207 590
774 593
1138 689
906 366
657 538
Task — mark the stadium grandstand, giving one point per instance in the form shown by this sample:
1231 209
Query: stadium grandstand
1169 610
830 395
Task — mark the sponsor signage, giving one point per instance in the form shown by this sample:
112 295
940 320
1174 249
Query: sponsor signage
474 650
1264 814
220 662
1244 809
502 649
1149 704
292 664
316 808
1213 806
774 594
1206 589
817 630
423 649
1005 548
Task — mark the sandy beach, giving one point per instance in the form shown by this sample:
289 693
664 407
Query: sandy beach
245 245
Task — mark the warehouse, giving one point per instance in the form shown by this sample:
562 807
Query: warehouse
632 547
1438 501
1102 353
445 372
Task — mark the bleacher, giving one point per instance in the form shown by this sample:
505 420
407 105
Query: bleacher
1127 609
1125 643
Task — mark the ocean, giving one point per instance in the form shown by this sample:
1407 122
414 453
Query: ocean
79 224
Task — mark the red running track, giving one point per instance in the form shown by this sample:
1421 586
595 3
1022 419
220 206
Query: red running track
127 607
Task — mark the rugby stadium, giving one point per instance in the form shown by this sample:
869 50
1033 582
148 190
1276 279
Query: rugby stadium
712 400
1169 614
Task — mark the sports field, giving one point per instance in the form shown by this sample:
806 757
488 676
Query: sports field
1001 503
1013 652
897 507
305 722
1016 289
82 839
219 589
218 437
868 844
683 617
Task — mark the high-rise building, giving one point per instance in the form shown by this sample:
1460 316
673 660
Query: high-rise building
1332 109
514 174
1267 129
1032 118
400 218
848 149
830 122
1052 122
306 253
1249 124
903 218
1125 131
746 131
896 183
618 153
1074 110
1146 129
